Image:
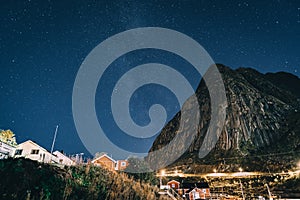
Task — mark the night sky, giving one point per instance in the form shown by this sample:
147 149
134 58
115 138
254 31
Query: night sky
43 44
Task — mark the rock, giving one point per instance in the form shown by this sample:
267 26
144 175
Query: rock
258 112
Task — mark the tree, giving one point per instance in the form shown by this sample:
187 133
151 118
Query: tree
7 136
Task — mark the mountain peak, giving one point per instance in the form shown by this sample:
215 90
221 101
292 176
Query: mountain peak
257 117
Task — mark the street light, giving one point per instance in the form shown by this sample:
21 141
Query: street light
240 169
162 173
78 157
215 170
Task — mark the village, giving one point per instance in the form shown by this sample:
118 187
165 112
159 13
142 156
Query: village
33 151
172 184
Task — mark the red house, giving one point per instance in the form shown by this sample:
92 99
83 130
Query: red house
175 185
197 191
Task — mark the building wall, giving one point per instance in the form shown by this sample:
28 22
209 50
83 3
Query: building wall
199 193
6 150
174 184
33 151
121 165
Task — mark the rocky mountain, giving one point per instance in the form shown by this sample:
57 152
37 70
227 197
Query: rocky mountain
262 116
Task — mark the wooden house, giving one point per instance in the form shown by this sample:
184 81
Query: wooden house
105 161
175 185
109 163
196 191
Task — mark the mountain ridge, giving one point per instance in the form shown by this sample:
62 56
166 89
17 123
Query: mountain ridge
259 116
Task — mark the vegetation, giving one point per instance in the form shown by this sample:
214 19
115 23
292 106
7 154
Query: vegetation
26 179
140 171
7 136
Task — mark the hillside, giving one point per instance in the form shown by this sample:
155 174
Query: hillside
27 179
262 118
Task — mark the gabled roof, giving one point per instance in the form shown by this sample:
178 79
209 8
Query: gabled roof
104 155
61 154
173 181
33 143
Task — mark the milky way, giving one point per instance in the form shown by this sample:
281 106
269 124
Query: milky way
43 44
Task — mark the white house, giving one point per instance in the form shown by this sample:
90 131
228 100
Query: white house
62 159
6 150
8 143
33 151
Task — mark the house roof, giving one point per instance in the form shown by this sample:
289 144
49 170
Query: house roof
173 181
104 155
61 154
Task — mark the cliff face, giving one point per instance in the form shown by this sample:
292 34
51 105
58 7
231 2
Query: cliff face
261 112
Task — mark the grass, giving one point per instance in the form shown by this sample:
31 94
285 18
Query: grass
27 179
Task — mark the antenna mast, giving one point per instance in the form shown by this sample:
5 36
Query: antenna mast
54 138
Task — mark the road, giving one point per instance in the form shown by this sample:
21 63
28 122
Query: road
230 175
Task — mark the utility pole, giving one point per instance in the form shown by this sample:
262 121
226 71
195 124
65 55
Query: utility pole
54 138
269 192
242 189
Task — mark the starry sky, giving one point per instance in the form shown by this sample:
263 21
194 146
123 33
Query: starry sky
43 44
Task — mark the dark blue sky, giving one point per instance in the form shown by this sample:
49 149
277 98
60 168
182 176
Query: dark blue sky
43 44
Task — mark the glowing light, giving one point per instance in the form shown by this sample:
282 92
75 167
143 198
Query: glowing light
163 172
240 169
215 171
216 174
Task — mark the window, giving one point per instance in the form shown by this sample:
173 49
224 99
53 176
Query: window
34 151
19 152
123 164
